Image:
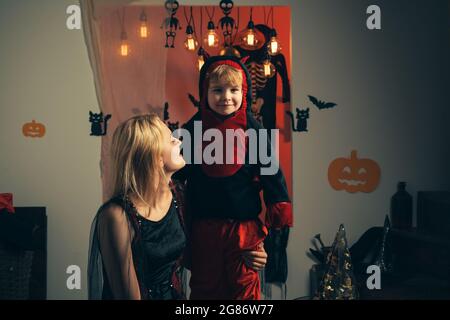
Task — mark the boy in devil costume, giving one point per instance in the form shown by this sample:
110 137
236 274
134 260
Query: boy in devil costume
224 199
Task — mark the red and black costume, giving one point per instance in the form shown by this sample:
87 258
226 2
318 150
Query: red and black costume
223 201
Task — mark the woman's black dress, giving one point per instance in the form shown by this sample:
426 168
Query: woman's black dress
156 250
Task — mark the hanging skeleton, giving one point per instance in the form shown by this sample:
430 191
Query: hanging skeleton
227 23
259 81
171 23
265 97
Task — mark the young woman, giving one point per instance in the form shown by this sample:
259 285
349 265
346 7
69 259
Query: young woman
139 237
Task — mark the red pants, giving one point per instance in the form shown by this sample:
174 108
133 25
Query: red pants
218 269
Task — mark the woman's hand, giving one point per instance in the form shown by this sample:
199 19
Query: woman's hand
255 259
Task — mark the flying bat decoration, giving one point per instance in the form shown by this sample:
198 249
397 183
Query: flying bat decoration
321 104
194 101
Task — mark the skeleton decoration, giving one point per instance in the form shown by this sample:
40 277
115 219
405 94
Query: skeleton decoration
227 23
171 23
259 82
264 90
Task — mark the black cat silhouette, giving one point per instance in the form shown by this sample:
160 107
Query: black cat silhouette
166 111
173 126
301 116
96 120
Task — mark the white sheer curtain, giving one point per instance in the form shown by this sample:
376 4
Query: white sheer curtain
125 86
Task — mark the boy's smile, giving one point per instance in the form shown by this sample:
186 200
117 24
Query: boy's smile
224 97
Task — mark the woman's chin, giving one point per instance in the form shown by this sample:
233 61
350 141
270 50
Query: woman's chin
179 164
182 163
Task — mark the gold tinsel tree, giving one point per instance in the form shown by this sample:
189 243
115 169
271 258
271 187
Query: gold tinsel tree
338 282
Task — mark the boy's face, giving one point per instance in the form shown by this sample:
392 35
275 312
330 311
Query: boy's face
224 97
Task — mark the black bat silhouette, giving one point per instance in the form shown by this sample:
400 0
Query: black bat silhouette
321 104
194 101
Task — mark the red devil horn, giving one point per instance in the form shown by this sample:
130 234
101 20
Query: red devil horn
244 59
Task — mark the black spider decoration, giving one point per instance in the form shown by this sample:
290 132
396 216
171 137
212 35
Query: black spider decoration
171 23
227 23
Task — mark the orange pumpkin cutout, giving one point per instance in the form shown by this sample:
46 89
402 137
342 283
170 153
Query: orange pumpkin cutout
33 129
353 174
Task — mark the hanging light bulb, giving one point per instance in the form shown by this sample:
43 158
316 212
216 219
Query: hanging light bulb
274 47
200 62
269 68
143 30
124 47
190 43
201 56
250 35
251 38
229 51
212 39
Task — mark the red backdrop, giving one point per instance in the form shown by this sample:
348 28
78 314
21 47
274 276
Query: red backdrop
182 73
152 74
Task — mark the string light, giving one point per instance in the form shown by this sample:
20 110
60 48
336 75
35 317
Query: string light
250 35
200 62
212 39
251 38
143 30
229 51
124 47
273 47
190 43
202 56
269 68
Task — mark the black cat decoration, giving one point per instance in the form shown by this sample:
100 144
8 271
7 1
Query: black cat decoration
99 125
321 104
302 117
166 111
172 125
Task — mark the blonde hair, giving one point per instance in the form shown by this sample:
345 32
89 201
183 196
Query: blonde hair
226 73
136 149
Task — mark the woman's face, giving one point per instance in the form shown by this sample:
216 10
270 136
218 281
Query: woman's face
171 157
